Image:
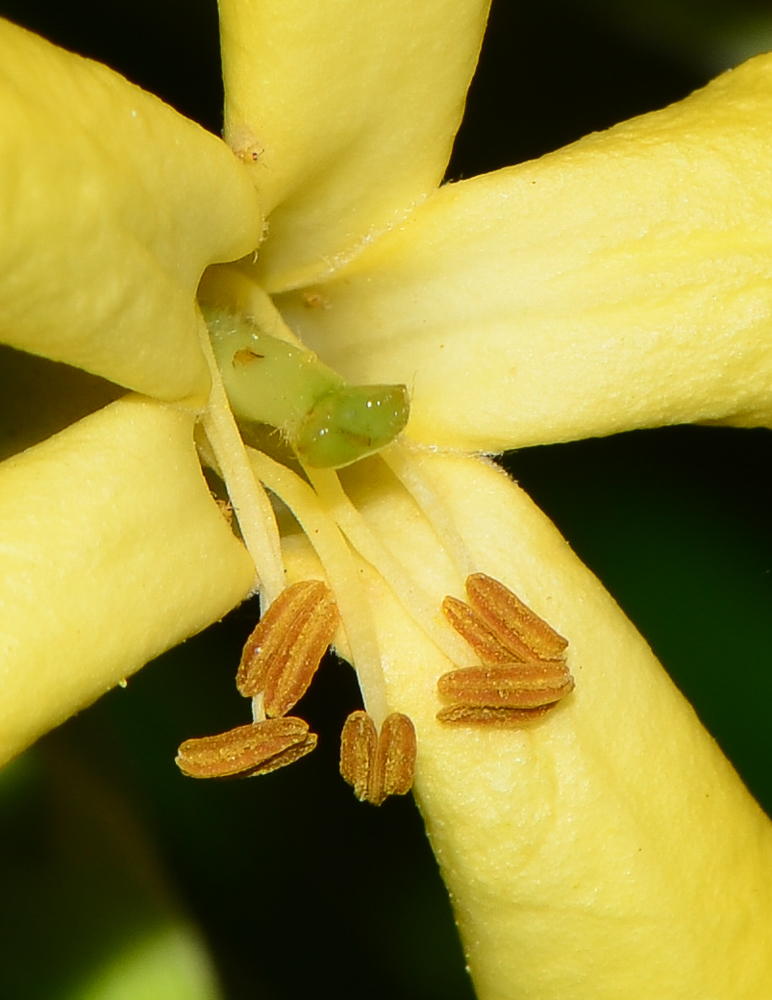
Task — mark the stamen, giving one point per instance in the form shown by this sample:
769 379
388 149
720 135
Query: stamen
342 571
358 746
246 751
501 629
471 627
494 718
395 759
282 654
512 622
378 765
526 685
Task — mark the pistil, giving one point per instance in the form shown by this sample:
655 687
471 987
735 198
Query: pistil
327 422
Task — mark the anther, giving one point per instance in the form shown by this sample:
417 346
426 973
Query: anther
512 622
282 654
524 673
358 747
520 685
395 758
378 765
473 629
493 718
246 751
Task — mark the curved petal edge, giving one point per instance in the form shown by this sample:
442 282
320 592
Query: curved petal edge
113 551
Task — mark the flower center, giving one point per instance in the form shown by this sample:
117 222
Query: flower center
508 666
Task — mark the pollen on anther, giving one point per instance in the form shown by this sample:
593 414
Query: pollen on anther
358 745
378 765
473 629
283 652
519 685
493 718
513 623
245 751
523 673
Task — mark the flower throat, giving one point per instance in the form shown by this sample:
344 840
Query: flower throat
508 665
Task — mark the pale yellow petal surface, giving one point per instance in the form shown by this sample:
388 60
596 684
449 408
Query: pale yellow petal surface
624 281
608 851
111 206
112 551
350 109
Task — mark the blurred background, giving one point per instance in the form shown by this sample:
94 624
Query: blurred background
119 878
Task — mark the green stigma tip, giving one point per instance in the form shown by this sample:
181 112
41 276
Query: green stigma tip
350 423
328 423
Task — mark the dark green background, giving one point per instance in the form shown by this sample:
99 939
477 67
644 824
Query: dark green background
299 889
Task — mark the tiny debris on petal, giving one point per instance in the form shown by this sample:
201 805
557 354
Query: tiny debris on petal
378 765
282 654
245 357
520 685
473 629
512 622
226 509
246 751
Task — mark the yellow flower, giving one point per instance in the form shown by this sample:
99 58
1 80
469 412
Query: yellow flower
608 850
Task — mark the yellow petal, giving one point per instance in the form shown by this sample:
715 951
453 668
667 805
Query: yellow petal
608 850
350 108
112 551
625 281
111 206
